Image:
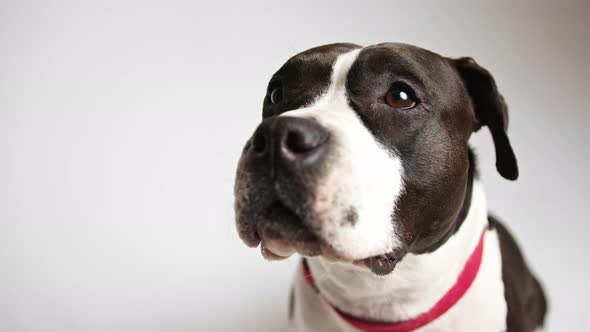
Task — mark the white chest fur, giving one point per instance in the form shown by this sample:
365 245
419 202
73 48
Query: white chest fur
415 286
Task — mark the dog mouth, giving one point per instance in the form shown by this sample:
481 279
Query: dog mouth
283 233
384 264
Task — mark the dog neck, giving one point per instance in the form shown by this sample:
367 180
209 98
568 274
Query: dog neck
417 282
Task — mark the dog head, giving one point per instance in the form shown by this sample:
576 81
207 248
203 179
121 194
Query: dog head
362 153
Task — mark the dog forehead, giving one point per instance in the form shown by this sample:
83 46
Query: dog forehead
398 58
399 49
309 75
312 68
325 54
316 64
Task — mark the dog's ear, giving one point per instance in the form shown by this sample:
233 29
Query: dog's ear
490 110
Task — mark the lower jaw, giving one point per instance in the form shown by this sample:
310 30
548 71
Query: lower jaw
280 250
383 264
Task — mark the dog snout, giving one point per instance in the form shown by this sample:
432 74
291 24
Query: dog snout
288 142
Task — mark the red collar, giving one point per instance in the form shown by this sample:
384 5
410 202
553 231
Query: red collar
452 296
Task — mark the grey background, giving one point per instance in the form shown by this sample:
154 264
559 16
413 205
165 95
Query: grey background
121 124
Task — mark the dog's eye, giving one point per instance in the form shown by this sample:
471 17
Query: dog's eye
276 95
400 96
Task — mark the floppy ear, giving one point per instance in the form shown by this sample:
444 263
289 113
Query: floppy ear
490 110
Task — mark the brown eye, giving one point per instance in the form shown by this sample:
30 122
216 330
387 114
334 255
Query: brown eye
400 97
276 95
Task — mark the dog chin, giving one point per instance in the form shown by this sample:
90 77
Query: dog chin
281 249
382 265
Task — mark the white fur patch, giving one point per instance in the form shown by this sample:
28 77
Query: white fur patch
363 177
415 285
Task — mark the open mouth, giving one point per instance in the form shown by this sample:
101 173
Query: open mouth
383 264
284 233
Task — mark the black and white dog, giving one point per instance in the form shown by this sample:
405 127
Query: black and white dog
361 164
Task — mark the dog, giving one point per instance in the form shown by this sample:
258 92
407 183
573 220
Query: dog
361 165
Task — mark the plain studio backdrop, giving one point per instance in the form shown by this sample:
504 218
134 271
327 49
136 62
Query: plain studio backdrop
121 124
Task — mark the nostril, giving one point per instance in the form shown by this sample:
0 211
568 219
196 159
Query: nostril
259 143
296 142
303 140
286 139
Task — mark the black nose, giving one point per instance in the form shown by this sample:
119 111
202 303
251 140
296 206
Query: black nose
288 141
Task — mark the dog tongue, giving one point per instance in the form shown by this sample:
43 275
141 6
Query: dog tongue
275 249
382 264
